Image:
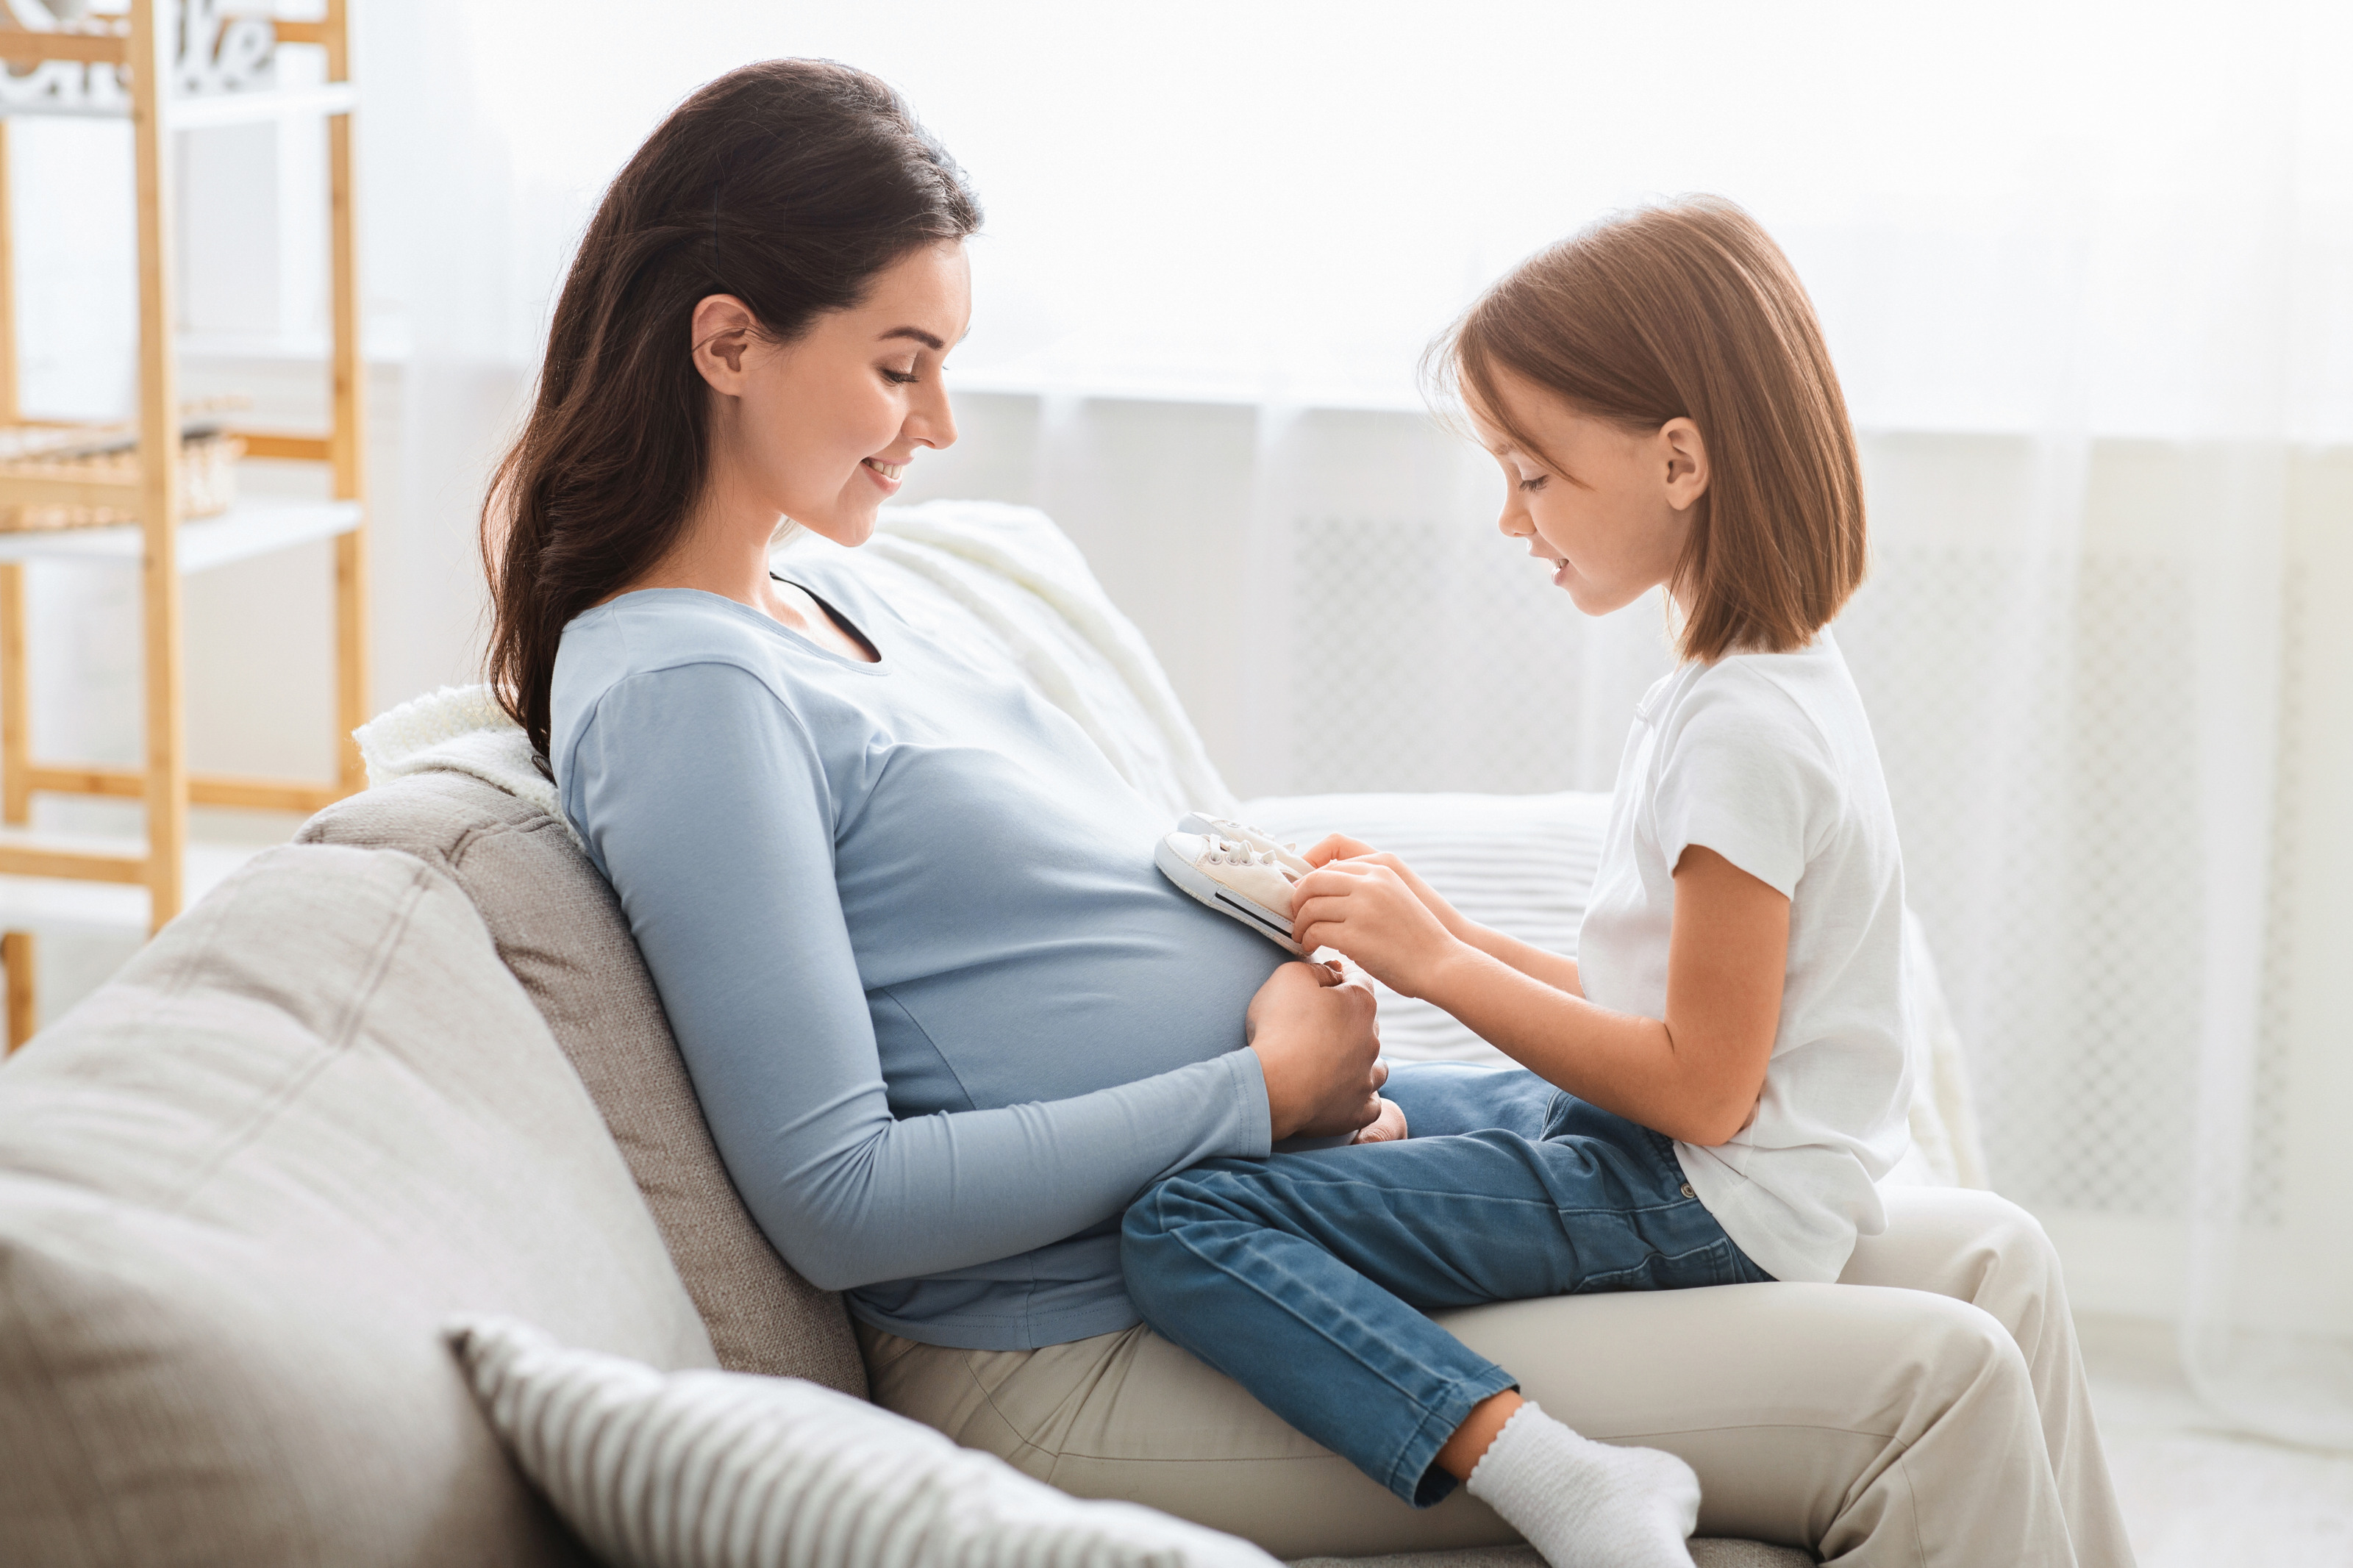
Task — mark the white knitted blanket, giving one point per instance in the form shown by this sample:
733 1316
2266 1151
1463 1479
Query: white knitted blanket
1002 581
459 729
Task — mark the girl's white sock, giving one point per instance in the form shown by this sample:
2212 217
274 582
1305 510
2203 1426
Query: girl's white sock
1585 1504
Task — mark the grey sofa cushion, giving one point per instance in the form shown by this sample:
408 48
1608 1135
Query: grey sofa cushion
561 931
241 1189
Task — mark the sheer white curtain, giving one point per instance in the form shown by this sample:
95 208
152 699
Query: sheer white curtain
2087 270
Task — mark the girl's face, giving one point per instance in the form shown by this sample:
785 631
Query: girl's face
1611 509
819 429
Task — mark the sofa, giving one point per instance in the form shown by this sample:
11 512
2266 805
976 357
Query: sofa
411 1065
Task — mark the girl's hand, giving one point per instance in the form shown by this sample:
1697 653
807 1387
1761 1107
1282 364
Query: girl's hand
1340 847
1366 910
1319 1047
1388 1127
1337 846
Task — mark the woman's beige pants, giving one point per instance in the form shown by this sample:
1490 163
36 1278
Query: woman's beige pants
1928 1409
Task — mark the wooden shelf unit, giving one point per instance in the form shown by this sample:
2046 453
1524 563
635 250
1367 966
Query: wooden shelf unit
162 545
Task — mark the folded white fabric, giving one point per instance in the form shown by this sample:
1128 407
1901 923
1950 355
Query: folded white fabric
458 729
721 1469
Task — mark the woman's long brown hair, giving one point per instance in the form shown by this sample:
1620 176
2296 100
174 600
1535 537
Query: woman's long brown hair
790 185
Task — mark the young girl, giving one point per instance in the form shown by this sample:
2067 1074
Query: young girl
1717 1079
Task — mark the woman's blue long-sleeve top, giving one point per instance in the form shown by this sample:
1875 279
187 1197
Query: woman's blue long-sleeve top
945 1017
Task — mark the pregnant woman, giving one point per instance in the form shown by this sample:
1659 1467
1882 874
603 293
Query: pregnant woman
945 1017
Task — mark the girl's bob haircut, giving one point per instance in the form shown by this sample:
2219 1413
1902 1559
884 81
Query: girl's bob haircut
1688 309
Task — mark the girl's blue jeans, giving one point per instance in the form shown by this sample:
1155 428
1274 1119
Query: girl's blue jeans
1304 1276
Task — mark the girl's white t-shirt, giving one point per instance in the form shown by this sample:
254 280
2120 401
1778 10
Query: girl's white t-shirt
1768 760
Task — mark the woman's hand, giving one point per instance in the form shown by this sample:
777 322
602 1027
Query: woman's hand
1340 847
1320 1050
1367 909
1386 1128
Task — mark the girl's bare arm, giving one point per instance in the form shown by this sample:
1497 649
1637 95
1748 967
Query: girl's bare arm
1536 962
1693 1075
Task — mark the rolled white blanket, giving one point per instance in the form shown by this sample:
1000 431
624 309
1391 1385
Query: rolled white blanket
459 729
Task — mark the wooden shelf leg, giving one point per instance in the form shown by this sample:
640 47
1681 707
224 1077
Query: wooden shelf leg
347 442
16 719
11 404
24 1003
15 732
350 660
159 469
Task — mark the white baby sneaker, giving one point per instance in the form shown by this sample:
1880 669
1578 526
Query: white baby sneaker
1227 827
1234 878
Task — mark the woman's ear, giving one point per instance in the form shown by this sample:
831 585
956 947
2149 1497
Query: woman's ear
724 327
1685 451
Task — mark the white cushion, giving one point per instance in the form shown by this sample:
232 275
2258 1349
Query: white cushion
695 1469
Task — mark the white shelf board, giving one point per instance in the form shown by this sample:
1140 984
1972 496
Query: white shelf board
55 906
208 108
256 526
278 104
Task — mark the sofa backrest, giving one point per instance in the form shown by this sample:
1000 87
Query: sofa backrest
560 930
241 1188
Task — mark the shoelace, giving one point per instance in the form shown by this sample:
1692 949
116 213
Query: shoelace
1225 827
1234 852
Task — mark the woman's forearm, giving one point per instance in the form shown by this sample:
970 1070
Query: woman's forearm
930 1194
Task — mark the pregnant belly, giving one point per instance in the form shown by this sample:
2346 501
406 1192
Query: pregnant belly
1059 1018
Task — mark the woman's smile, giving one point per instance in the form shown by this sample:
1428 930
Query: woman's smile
886 474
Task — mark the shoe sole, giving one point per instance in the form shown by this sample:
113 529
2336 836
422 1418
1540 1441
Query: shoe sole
1208 890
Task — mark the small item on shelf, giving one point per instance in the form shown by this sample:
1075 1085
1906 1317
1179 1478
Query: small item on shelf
108 454
219 49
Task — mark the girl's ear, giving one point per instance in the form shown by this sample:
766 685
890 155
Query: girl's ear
1685 451
723 329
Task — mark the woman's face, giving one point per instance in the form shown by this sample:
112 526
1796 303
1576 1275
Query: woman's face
1611 509
819 429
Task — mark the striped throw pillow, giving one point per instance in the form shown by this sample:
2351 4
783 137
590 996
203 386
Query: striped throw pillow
721 1469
